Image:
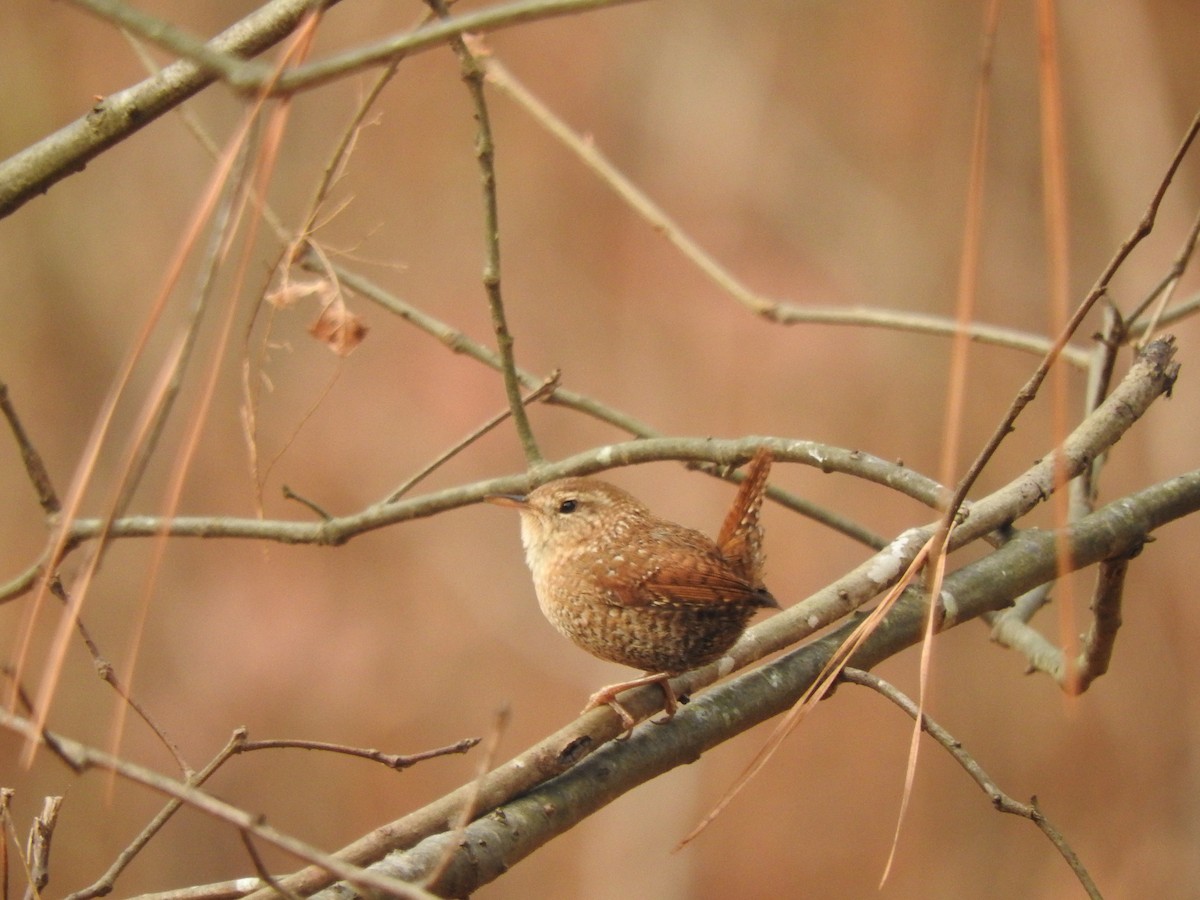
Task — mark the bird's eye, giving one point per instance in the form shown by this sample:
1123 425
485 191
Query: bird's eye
568 506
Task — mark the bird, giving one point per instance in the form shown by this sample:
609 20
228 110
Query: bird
635 589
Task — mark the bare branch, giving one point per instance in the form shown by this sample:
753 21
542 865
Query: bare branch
434 34
1075 676
541 392
1000 800
497 841
397 761
1153 374
40 166
473 68
81 758
37 849
105 670
35 468
773 310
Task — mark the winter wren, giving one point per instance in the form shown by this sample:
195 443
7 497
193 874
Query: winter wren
638 590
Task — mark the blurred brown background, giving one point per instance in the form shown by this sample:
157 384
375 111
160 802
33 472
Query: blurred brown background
819 151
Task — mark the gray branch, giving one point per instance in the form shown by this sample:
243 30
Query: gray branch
40 166
494 843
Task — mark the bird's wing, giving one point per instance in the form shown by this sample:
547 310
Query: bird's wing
686 575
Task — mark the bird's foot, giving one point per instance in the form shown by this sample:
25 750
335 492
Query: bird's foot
607 696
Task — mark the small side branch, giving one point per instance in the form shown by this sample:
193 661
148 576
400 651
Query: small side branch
473 70
81 758
397 761
1010 630
1000 800
41 832
529 805
34 466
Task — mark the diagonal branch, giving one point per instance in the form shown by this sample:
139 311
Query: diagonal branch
81 758
561 751
495 842
1000 800
40 166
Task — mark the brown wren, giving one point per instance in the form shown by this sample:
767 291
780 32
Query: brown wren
638 590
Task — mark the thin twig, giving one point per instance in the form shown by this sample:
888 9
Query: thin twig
8 832
107 673
266 877
782 312
105 883
289 494
37 849
397 761
253 77
1184 310
458 342
432 35
471 807
35 468
1086 488
1178 267
1106 620
81 758
239 743
22 853
1031 387
473 71
164 34
543 390
1074 676
1000 800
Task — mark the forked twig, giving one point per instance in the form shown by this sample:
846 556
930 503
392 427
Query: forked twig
1074 676
240 743
81 758
459 342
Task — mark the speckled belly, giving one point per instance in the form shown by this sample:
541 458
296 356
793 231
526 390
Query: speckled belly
650 638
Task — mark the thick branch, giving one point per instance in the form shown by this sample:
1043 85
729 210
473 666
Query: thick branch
497 841
38 167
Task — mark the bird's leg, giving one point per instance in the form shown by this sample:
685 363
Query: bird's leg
608 696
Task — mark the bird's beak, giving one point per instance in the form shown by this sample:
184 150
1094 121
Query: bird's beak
516 501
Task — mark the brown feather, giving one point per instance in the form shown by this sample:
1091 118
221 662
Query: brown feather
741 537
